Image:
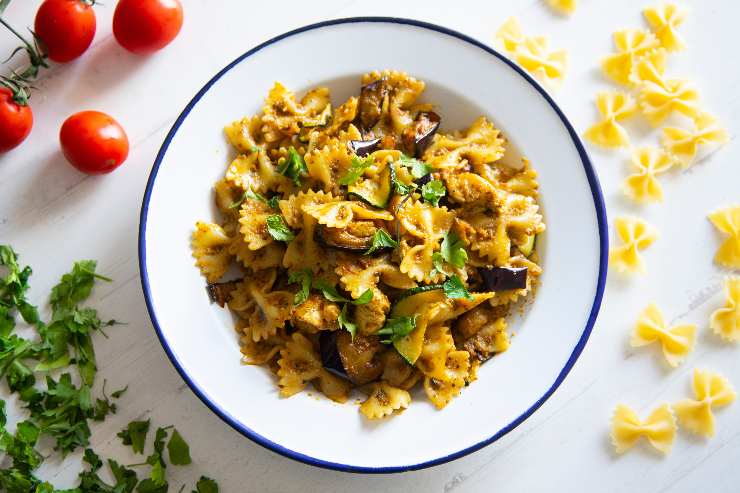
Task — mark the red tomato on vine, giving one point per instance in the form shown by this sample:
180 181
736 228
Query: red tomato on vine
65 27
16 121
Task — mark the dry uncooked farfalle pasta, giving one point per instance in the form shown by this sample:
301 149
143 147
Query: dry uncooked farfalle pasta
627 428
727 220
650 66
684 145
566 7
664 20
614 107
631 45
725 322
711 390
643 185
660 97
510 35
547 65
677 341
532 53
636 235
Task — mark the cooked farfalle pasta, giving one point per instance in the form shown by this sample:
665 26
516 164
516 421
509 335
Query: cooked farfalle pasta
360 234
725 321
664 20
627 428
684 145
636 235
711 391
676 341
384 400
643 185
614 107
566 7
631 45
210 248
727 221
533 53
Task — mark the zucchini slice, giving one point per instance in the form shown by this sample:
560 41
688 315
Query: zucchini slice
321 120
376 193
417 304
430 307
528 246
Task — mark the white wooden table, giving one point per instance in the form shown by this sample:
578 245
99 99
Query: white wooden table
54 215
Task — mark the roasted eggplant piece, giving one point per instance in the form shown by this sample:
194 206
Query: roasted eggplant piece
360 356
220 292
423 180
356 237
504 278
417 136
371 103
329 355
364 147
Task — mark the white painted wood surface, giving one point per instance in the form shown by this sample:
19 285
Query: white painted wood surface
54 215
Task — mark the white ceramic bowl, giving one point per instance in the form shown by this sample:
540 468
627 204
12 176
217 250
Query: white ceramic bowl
465 78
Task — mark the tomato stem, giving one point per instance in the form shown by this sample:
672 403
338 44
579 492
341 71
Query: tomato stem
20 83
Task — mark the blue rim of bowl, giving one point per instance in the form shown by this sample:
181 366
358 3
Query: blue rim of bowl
275 447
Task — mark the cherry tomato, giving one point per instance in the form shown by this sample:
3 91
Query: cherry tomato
145 26
15 121
66 27
93 142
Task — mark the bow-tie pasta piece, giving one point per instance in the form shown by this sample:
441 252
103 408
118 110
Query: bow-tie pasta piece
725 322
684 145
209 244
631 45
636 235
661 97
627 428
643 186
535 56
677 341
384 400
565 7
299 363
727 221
265 310
650 67
614 107
664 20
339 214
711 390
510 35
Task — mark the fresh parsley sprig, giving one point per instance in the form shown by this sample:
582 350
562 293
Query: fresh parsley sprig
249 194
397 328
278 229
433 191
418 169
294 166
454 288
355 171
381 239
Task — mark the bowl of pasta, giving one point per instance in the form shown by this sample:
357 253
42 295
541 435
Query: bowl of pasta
376 262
